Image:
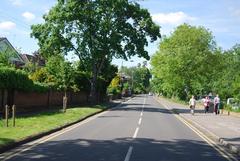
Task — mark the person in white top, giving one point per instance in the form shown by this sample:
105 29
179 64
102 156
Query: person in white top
216 104
192 104
206 103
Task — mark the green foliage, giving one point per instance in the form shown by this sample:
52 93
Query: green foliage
5 57
139 78
96 31
81 80
185 62
18 79
126 86
227 84
60 73
41 75
30 67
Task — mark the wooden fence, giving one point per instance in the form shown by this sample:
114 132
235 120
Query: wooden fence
28 101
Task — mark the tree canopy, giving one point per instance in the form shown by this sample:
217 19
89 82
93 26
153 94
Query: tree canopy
96 31
139 78
185 62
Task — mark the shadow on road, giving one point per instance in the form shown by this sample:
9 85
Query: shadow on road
177 110
116 149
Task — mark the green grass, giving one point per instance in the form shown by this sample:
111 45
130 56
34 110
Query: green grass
176 100
237 111
43 121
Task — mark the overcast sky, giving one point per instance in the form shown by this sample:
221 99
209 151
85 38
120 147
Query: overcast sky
222 17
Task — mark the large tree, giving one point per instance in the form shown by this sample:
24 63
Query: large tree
96 31
186 62
227 82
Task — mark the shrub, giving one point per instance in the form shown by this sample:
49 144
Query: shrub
11 78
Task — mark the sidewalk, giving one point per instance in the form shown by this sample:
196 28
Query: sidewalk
222 128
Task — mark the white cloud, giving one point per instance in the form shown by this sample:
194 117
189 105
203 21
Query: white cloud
237 12
173 18
28 16
16 2
7 25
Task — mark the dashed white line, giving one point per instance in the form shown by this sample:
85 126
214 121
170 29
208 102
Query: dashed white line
129 153
135 133
139 121
127 158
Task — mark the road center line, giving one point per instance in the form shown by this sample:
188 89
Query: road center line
143 107
135 133
139 121
127 158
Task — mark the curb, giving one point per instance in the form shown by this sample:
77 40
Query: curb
232 148
40 135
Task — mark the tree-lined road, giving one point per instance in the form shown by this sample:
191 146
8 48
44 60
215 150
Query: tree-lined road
141 129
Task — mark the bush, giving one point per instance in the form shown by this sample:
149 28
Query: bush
113 90
11 78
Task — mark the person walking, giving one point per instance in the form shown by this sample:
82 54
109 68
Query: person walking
216 104
192 104
206 103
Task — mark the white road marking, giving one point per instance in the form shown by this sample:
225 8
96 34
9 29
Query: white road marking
209 141
139 121
127 158
135 133
228 156
129 153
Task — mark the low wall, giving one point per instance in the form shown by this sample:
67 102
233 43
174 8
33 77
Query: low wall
29 101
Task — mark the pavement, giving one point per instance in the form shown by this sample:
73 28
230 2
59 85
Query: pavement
222 128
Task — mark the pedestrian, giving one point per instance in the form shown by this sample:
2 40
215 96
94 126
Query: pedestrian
206 103
192 104
216 104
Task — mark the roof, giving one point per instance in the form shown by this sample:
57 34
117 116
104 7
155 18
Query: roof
33 59
2 38
17 58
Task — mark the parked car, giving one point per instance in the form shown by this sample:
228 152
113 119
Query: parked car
234 103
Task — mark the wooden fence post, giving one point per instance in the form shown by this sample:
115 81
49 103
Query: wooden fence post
14 115
6 115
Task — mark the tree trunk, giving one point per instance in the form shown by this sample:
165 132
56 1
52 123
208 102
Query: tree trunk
92 97
65 101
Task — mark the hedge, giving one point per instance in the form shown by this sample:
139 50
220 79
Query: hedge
11 78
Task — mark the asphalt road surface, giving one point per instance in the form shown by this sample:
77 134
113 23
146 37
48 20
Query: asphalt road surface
139 130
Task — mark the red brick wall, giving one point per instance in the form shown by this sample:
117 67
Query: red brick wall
33 100
30 99
55 98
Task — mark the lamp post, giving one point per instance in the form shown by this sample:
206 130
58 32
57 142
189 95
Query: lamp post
132 80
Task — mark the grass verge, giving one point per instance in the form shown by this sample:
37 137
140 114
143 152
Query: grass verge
30 125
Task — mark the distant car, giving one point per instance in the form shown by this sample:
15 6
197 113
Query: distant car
234 103
150 94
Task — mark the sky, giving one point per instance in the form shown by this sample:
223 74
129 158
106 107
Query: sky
221 17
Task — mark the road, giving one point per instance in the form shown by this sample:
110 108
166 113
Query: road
140 130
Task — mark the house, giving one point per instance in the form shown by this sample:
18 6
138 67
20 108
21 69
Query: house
7 48
35 59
